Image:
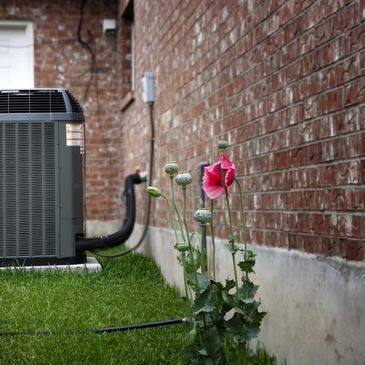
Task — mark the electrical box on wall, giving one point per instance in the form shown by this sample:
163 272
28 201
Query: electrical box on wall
41 176
109 26
148 85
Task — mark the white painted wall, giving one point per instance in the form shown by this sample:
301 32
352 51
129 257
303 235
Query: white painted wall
96 228
315 305
16 55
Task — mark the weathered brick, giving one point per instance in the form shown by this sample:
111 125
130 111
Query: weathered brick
282 80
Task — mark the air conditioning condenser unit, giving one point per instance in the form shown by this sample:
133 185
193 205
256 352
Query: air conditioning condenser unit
41 177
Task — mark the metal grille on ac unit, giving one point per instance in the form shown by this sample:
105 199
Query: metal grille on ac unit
40 177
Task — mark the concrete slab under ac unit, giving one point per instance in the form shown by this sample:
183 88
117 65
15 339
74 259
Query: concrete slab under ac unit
90 266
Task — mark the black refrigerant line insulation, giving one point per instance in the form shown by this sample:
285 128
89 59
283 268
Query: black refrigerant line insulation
148 209
114 239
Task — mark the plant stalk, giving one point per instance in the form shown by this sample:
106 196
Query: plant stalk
213 239
242 218
171 217
187 231
175 207
202 248
232 238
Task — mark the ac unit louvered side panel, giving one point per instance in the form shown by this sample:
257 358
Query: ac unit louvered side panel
2 207
28 189
10 190
24 196
49 188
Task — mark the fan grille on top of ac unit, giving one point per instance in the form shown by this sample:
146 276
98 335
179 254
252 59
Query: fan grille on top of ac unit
32 101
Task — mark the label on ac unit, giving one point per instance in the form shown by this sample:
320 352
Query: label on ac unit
75 136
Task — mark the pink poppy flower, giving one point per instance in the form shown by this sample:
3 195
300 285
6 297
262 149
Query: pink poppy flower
218 177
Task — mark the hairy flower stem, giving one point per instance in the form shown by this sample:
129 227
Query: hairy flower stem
243 220
202 248
204 320
171 217
232 239
187 231
175 207
182 256
213 240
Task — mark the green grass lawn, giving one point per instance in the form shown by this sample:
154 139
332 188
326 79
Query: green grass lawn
128 290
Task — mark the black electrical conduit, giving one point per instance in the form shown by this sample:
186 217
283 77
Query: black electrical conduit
131 327
121 236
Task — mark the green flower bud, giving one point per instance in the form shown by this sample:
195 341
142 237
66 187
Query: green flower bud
183 179
182 247
203 216
222 145
171 168
153 191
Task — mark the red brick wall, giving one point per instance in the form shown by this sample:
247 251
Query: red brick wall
61 61
284 82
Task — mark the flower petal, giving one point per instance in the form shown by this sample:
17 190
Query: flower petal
213 192
225 162
230 170
212 181
230 175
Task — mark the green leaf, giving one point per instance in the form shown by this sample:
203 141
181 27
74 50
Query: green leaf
203 281
230 284
240 329
203 303
253 313
246 267
192 265
246 293
232 248
236 324
203 352
211 341
250 257
192 336
232 237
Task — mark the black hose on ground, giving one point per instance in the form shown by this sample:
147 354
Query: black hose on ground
140 326
130 327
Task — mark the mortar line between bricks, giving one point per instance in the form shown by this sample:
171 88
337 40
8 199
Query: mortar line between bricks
314 212
309 143
308 234
289 211
293 126
305 167
309 189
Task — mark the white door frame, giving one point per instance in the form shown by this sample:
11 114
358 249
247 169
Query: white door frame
28 45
